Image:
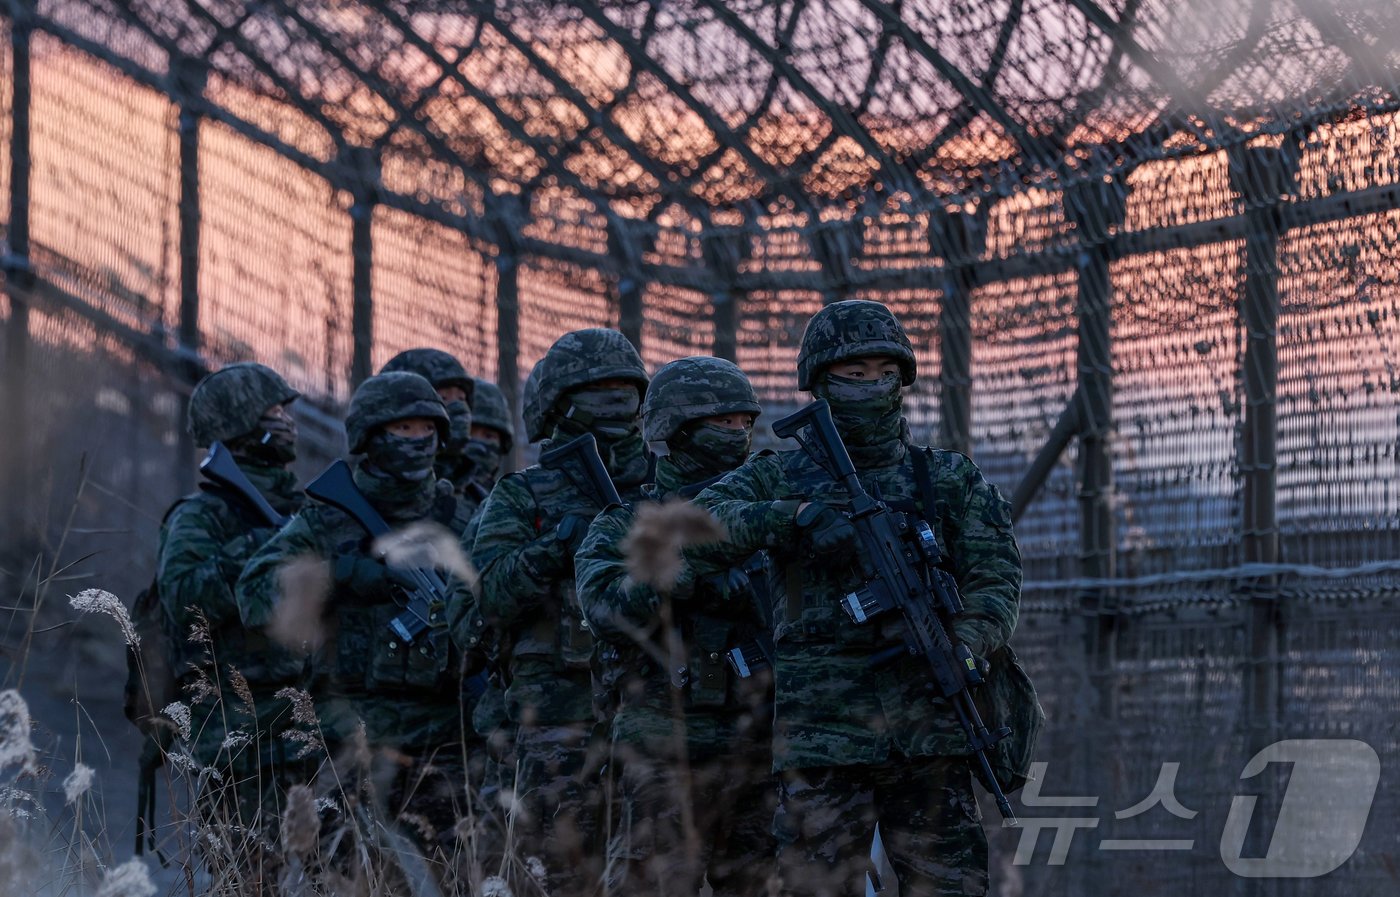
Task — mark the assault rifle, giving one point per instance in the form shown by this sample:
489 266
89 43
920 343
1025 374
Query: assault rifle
220 468
902 556
336 487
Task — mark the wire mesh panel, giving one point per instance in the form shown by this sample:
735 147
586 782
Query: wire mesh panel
1339 285
1336 659
556 297
275 265
106 430
432 288
770 332
1023 373
677 323
104 186
1177 405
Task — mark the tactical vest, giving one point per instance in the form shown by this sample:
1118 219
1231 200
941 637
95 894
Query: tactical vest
559 629
370 659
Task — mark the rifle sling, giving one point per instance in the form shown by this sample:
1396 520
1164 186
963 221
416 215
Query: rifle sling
923 479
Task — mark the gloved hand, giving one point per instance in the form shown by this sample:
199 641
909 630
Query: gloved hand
363 579
551 556
967 633
571 530
826 530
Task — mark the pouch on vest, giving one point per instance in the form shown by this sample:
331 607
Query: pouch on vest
575 638
710 678
1008 699
396 664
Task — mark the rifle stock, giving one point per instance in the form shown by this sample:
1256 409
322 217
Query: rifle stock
583 452
219 467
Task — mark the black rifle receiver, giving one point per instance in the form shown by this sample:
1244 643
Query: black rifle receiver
903 559
579 460
336 487
219 467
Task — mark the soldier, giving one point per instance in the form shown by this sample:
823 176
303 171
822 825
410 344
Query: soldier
590 381
695 748
457 390
492 434
205 541
857 744
405 694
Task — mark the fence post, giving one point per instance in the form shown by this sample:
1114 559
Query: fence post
958 238
362 180
628 248
1263 177
1097 209
724 251
508 339
19 279
509 214
836 245
190 76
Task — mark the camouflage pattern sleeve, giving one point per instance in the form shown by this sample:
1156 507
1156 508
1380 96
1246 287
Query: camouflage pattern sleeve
754 504
510 555
259 588
612 602
199 561
469 532
465 626
986 562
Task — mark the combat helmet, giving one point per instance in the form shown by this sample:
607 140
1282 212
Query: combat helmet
576 359
692 388
852 328
489 410
438 367
229 402
385 398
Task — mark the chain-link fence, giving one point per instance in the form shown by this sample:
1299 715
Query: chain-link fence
1146 253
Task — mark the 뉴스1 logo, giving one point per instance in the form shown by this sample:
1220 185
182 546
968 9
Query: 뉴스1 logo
1321 818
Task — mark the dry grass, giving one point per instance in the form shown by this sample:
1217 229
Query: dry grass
660 533
328 835
297 621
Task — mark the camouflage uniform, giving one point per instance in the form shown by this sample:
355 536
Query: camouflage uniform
405 695
703 748
489 410
489 718
205 542
530 527
454 463
856 743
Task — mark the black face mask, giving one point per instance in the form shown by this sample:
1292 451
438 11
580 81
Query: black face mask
608 413
486 460
866 412
460 415
408 459
272 443
706 450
